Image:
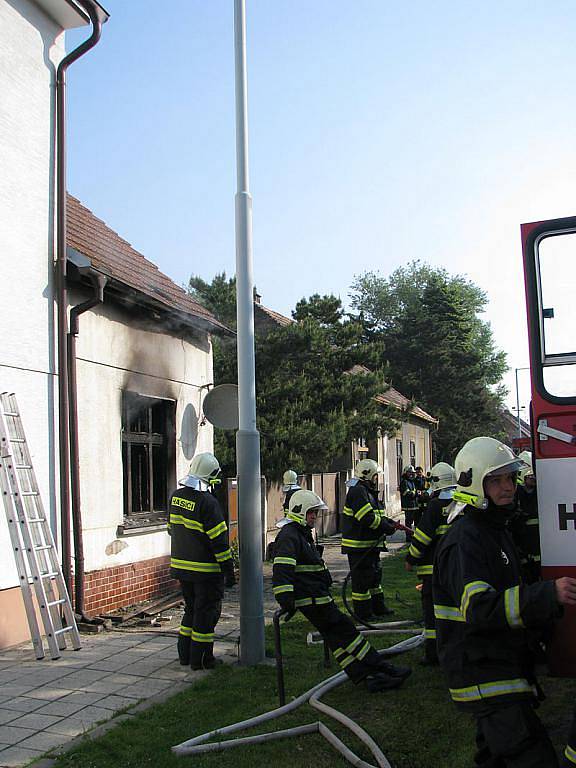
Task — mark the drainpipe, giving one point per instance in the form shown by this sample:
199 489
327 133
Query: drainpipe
99 281
97 17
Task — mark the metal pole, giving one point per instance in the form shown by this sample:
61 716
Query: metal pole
518 403
252 649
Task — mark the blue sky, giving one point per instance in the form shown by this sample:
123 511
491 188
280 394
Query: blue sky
380 132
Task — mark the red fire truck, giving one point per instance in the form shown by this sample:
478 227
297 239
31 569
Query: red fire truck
549 249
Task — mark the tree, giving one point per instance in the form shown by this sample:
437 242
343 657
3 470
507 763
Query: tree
441 353
219 296
311 400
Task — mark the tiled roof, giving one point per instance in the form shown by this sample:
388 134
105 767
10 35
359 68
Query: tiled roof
396 399
276 317
110 254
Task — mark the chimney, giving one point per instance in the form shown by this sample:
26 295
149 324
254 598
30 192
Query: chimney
257 296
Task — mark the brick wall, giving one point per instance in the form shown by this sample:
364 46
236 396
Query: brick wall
124 585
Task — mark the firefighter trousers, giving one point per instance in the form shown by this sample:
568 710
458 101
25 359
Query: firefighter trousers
512 736
351 650
430 652
366 579
203 601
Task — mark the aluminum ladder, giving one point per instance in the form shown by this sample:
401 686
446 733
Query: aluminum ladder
35 553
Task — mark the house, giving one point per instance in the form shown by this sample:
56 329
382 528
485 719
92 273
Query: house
143 354
412 444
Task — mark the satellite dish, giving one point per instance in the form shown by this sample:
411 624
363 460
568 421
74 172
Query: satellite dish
221 406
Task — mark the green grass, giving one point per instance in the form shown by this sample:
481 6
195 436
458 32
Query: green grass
416 726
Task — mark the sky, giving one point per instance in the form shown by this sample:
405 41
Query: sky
380 132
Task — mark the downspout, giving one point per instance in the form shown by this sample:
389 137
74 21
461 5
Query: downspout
97 18
99 281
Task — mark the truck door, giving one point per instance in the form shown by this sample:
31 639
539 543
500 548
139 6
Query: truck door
549 249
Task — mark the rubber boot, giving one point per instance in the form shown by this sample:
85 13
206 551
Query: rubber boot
184 650
380 681
394 670
379 607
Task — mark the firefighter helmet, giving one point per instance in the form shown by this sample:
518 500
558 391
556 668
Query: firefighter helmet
442 475
301 503
409 469
289 480
367 469
205 467
528 471
478 459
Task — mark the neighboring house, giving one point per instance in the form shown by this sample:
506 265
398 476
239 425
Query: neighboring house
520 439
412 444
144 357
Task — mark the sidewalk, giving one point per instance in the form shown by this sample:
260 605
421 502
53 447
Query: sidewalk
47 704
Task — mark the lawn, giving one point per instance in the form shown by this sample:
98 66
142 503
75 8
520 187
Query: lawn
416 726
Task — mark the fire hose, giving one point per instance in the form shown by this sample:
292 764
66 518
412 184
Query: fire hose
197 745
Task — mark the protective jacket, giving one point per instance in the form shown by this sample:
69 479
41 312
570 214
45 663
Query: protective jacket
199 534
482 611
408 495
298 569
363 523
287 497
432 526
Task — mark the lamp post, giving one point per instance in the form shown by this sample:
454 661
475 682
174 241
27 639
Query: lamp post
252 650
518 399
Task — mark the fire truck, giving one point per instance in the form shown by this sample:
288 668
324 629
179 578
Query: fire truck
549 251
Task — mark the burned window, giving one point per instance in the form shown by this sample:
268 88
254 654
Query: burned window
148 445
412 453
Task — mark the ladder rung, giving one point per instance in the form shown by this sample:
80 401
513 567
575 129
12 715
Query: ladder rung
29 493
48 575
41 547
64 629
57 602
11 413
37 520
17 439
22 466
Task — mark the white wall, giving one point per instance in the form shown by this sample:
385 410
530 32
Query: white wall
29 43
116 353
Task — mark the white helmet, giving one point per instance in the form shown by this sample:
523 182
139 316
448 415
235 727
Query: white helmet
442 475
205 467
528 471
301 503
409 468
289 480
480 457
367 469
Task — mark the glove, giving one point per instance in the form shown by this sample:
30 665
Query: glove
229 575
287 604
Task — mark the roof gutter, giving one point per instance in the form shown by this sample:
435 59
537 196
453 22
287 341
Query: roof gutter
97 17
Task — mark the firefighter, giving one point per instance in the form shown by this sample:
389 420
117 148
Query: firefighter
408 496
422 484
433 525
200 560
364 529
524 525
483 611
289 487
302 582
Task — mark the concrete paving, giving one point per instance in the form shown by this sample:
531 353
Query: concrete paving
46 704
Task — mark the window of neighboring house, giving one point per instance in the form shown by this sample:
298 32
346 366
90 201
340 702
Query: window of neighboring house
148 458
399 461
413 453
